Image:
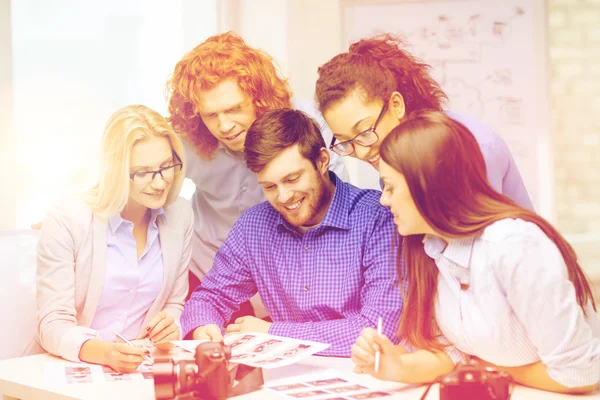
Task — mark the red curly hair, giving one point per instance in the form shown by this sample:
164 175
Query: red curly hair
379 66
218 58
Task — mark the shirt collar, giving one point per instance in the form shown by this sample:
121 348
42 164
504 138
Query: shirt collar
337 214
116 220
222 148
457 250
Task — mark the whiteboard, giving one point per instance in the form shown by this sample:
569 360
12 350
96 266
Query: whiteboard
489 56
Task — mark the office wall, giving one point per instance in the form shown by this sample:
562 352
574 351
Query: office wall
573 31
7 160
574 40
74 64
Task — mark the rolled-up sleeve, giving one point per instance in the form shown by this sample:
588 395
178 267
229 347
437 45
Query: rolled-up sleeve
535 279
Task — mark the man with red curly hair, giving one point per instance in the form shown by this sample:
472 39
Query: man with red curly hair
366 92
215 94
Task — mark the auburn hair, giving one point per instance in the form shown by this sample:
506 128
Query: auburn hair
221 57
277 130
446 175
378 66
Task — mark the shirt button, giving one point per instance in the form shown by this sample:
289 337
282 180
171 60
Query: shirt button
131 291
306 249
306 288
244 188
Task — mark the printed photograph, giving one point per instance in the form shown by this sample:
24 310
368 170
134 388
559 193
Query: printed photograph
77 370
115 376
243 356
296 350
369 395
342 389
289 387
240 341
302 395
264 346
325 382
79 378
268 361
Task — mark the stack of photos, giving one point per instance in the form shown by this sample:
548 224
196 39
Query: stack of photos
327 389
56 375
269 351
78 374
261 349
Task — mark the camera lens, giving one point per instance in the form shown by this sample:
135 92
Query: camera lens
173 377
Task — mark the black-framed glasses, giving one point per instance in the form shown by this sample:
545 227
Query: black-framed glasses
365 138
166 173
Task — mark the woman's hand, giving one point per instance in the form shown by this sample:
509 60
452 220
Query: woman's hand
390 360
122 357
162 329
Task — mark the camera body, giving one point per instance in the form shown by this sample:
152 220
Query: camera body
206 377
209 376
470 380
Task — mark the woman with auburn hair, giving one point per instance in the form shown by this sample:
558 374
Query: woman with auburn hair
367 91
485 277
115 258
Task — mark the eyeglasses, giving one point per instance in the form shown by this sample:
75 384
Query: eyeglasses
166 173
365 138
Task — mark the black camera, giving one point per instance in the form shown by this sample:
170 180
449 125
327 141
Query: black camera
205 377
209 376
470 380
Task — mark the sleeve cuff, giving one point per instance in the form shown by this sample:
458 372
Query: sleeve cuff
84 338
71 343
281 329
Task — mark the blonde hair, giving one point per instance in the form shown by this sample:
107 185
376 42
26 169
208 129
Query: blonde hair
126 127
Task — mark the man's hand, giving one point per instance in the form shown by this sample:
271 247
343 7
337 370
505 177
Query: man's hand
208 332
249 324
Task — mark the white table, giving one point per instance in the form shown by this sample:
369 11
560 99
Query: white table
23 378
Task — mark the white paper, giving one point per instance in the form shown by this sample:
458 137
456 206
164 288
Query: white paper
329 385
66 374
263 350
189 345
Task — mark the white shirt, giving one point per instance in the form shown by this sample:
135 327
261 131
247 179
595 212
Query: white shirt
130 284
519 306
225 188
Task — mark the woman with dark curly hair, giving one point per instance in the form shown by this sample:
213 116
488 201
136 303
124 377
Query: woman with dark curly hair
367 91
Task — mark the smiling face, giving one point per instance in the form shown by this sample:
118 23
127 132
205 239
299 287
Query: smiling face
396 195
227 112
297 189
150 155
355 114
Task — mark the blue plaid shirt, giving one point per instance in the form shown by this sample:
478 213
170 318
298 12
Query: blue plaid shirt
325 285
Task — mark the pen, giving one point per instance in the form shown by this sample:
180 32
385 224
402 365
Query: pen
148 358
377 353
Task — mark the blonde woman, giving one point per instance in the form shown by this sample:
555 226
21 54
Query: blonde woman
115 259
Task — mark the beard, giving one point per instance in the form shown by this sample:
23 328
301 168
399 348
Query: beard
312 205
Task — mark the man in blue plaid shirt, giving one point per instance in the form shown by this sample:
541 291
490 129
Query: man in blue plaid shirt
319 251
